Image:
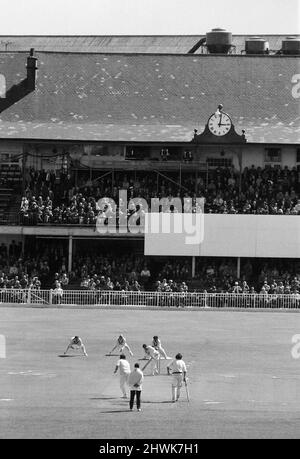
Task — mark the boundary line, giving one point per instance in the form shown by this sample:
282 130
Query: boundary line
146 308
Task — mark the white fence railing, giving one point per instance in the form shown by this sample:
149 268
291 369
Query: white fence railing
148 299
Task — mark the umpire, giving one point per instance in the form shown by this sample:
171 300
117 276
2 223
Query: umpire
135 380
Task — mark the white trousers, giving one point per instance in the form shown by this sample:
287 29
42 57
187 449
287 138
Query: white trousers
177 380
124 383
161 351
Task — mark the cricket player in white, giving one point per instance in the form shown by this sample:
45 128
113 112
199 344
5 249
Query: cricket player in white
76 343
124 367
177 369
121 344
156 343
153 354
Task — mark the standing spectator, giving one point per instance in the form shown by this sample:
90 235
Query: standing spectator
237 288
145 276
245 287
57 293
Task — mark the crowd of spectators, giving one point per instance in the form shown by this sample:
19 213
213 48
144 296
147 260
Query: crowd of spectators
280 277
127 271
34 270
49 198
17 272
258 191
171 286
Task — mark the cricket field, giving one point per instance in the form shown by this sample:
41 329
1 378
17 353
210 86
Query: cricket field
244 380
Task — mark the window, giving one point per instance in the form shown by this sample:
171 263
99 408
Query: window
9 157
273 155
219 162
137 153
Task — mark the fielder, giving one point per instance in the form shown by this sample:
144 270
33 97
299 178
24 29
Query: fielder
153 355
121 344
177 369
124 367
76 343
156 343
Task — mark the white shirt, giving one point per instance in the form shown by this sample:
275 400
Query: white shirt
152 352
124 366
136 377
177 366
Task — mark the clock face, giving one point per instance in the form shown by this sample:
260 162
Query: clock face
219 124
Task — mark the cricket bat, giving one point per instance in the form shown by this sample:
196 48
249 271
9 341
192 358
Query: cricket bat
145 366
187 391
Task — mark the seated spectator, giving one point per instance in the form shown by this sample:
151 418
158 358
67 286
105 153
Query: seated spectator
257 191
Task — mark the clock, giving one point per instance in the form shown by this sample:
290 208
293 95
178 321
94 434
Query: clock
219 123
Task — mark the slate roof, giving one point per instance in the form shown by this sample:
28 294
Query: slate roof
170 44
151 97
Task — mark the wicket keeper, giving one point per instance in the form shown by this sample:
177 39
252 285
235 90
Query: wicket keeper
156 343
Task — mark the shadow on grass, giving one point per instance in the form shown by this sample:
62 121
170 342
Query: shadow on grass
67 355
116 411
164 401
127 400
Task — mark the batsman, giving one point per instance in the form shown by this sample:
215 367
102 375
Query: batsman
177 369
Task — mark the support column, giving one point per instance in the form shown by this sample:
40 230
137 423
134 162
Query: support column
23 245
238 268
24 160
206 175
193 267
70 254
180 176
240 156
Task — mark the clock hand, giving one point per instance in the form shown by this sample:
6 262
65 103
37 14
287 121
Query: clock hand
220 123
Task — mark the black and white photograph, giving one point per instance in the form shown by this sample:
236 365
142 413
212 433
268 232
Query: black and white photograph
149 223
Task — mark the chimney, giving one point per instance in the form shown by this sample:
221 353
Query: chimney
31 70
